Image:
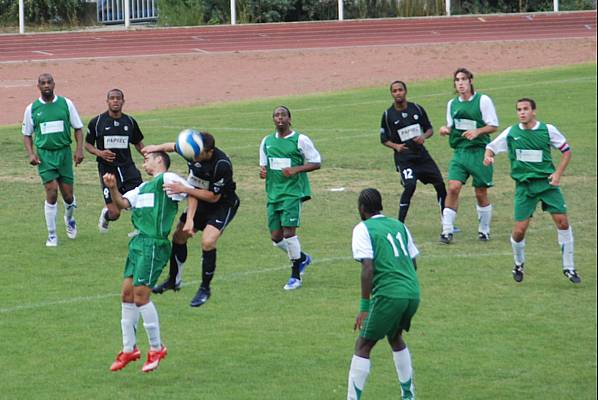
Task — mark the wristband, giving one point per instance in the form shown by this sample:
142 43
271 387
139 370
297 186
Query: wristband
364 305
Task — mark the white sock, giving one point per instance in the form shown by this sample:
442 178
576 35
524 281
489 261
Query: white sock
282 245
402 361
518 251
565 238
151 324
294 247
179 275
50 213
128 324
448 220
69 209
484 216
358 374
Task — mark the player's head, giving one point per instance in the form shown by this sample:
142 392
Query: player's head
398 91
115 98
526 110
369 203
463 81
155 163
45 84
208 146
282 118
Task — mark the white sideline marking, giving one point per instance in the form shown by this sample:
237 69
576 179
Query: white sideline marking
225 277
45 53
201 51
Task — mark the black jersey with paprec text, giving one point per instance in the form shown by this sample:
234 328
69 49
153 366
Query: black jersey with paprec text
402 126
215 175
107 133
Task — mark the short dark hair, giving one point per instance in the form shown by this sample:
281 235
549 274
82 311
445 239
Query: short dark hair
467 73
208 141
530 101
115 90
400 82
164 156
45 75
371 200
284 107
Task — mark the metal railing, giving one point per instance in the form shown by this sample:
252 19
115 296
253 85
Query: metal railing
119 11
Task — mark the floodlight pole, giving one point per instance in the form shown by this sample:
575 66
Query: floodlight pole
340 10
555 4
233 12
127 14
447 7
21 16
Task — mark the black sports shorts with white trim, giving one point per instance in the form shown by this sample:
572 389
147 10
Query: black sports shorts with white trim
127 176
423 169
214 214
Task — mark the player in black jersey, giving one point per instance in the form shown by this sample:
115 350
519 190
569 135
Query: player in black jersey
108 138
404 128
211 175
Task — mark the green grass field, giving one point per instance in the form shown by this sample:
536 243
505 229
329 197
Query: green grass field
477 334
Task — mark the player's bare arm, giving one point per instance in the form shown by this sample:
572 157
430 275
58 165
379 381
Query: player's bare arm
106 155
188 228
488 157
263 172
474 133
395 146
367 278
444 131
200 194
117 198
139 146
33 158
152 148
307 167
555 177
78 156
421 139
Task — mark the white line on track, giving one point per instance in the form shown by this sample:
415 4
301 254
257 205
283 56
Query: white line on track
45 53
225 277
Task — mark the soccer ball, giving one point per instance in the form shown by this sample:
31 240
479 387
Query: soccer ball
189 144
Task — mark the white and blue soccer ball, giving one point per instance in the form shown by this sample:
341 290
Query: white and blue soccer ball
189 144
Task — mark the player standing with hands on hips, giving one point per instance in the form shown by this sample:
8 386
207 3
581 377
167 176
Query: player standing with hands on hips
404 128
536 180
470 119
286 156
389 292
108 137
47 124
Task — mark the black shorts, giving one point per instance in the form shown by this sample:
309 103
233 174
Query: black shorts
217 215
423 169
127 176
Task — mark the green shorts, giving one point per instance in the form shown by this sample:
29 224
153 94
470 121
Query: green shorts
146 260
387 316
285 213
470 162
529 193
56 165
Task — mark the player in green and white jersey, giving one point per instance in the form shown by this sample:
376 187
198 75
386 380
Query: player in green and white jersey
529 144
389 292
153 212
470 119
286 156
47 125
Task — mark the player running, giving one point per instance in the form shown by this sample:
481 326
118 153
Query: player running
404 128
108 138
389 292
536 180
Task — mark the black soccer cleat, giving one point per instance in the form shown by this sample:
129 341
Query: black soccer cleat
518 273
168 284
571 274
201 297
484 237
446 238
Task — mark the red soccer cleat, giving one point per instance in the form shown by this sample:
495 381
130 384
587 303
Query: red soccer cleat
123 358
153 359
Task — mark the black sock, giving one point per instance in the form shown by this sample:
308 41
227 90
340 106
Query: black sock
180 252
295 268
208 267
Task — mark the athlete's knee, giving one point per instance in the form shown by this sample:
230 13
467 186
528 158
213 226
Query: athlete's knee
561 221
179 236
363 347
454 189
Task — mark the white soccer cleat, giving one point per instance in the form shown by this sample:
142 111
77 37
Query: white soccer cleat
103 222
71 227
292 284
52 241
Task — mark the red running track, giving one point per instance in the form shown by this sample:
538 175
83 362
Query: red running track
332 34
